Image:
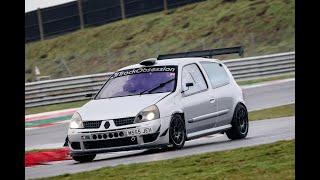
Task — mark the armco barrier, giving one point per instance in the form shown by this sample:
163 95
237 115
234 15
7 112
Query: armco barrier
75 88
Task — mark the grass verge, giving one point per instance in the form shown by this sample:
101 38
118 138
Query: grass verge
47 121
274 112
254 81
54 107
271 161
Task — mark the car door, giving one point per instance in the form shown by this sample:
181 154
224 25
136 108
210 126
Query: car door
195 100
220 82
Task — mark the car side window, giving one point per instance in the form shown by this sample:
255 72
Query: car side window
216 73
192 74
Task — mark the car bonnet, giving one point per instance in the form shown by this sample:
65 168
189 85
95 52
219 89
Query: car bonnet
118 107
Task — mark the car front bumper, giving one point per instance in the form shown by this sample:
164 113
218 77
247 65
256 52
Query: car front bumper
117 138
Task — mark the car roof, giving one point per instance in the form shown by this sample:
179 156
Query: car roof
172 62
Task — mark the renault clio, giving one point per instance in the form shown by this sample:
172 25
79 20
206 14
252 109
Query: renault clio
160 103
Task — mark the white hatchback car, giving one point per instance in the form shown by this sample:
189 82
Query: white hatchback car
160 103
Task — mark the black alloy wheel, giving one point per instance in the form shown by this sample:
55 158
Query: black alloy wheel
177 132
240 123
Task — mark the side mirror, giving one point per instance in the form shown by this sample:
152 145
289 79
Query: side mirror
89 95
189 84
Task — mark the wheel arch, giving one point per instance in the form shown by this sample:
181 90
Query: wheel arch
181 113
235 106
242 105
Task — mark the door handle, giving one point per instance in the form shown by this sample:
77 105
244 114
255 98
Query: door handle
212 100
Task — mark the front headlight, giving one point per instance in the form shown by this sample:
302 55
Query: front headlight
76 121
148 114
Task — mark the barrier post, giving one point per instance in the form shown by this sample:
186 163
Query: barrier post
123 10
80 14
40 23
165 6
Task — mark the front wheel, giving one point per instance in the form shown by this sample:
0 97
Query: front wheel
85 158
177 132
240 123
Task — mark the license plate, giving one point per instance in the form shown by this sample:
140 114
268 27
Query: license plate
140 131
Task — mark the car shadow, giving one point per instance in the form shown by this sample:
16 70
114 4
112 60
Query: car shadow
166 150
190 146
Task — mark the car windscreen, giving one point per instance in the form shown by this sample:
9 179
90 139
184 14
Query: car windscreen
138 81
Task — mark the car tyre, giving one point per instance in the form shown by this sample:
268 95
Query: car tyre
240 123
177 132
84 158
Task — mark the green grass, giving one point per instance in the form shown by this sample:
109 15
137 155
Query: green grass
274 112
54 107
263 26
48 121
254 81
271 161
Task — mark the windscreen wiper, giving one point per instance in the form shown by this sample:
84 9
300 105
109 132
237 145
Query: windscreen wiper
157 87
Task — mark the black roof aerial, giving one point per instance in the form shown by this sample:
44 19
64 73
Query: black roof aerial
205 53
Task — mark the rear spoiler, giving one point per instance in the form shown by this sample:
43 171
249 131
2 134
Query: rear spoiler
205 53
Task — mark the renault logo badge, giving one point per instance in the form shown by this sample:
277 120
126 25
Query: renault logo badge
107 125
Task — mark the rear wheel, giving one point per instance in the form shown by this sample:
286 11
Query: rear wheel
85 158
177 132
240 123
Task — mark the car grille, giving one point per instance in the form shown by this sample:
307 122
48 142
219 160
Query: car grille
91 124
110 143
123 121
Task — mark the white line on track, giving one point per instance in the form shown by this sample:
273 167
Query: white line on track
266 83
